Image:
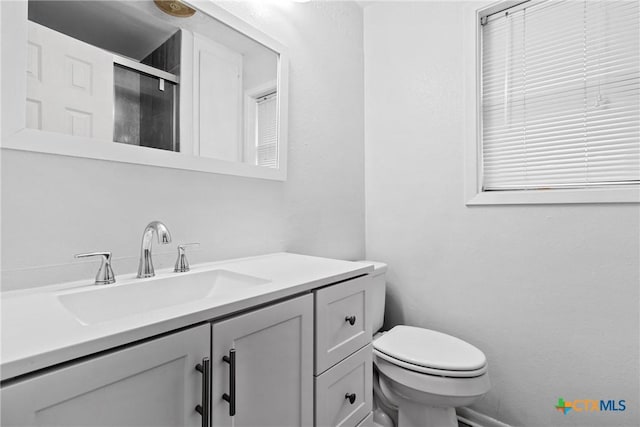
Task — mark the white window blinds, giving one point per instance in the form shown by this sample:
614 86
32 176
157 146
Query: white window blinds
560 95
267 131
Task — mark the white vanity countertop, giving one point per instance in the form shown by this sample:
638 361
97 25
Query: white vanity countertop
38 332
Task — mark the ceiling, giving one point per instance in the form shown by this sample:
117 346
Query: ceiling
131 28
115 26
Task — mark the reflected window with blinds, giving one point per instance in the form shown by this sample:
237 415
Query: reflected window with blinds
560 91
267 131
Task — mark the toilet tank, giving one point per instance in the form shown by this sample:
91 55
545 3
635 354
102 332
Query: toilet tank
378 287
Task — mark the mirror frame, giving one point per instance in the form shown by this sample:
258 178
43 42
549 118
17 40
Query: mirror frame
16 136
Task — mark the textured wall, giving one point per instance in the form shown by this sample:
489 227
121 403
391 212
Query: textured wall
54 206
549 293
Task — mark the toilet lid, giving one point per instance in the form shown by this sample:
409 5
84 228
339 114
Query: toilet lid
430 349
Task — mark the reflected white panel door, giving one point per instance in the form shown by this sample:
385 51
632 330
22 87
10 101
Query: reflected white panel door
273 366
217 100
69 85
150 384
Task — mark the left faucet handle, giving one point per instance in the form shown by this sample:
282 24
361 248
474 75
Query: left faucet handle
105 274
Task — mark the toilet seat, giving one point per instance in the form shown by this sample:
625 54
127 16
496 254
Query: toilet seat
431 371
430 352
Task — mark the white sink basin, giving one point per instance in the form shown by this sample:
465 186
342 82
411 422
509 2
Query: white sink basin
111 302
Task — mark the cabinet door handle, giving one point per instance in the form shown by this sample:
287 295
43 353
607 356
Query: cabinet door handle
350 319
203 409
231 397
351 397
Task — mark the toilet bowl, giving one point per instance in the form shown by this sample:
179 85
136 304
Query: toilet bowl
426 374
422 375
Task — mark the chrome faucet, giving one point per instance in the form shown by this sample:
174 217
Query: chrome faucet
145 269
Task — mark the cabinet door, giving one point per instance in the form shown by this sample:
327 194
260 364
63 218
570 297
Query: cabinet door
150 384
273 366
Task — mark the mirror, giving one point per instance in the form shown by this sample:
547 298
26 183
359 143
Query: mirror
159 82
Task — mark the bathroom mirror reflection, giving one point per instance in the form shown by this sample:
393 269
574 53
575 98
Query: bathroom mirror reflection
156 74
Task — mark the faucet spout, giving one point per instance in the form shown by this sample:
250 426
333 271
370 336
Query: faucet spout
145 268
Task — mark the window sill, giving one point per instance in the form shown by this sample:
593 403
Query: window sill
552 197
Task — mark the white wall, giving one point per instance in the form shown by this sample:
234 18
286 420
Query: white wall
549 293
54 206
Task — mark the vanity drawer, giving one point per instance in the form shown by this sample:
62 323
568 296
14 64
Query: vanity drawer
342 324
351 378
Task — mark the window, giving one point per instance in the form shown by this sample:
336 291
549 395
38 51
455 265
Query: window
267 131
261 126
560 91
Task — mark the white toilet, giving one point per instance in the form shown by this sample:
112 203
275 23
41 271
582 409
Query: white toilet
421 375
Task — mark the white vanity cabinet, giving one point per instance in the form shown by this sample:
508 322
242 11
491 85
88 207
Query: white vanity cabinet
262 363
343 361
154 383
284 352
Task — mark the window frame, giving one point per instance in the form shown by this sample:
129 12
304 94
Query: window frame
258 101
474 194
251 98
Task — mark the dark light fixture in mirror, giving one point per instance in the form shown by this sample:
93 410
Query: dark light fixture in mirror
128 72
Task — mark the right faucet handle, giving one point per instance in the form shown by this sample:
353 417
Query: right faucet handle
182 264
105 274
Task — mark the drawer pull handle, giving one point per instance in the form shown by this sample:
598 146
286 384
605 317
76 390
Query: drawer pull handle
350 319
204 408
231 397
351 397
